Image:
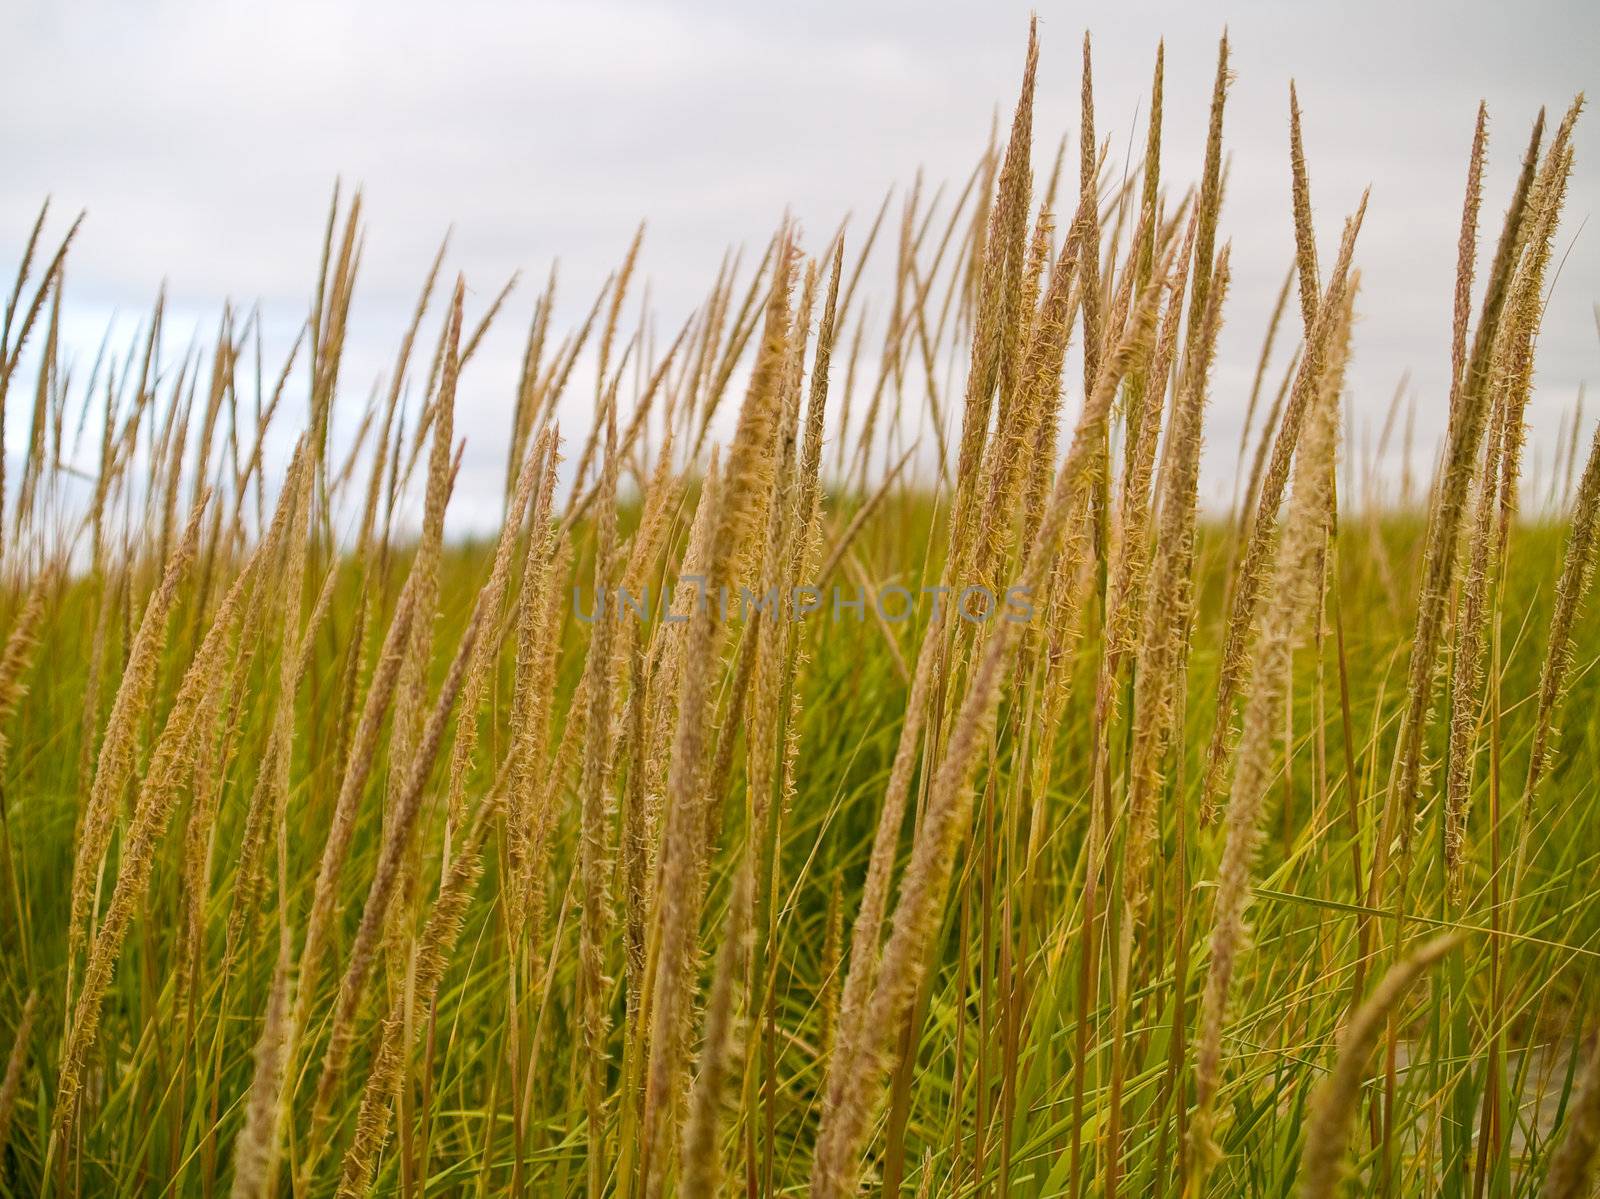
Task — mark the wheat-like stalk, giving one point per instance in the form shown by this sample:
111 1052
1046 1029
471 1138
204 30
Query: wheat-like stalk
1333 1106
595 839
701 1154
1293 597
17 656
16 1061
386 879
746 476
1533 213
171 757
859 1059
1577 575
1167 615
434 948
1261 550
255 1152
1571 1171
115 765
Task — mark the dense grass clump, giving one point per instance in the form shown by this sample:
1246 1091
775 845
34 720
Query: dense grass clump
778 814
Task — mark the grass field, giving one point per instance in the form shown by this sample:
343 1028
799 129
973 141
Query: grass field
1235 852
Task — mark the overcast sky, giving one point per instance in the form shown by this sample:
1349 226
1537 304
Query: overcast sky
204 139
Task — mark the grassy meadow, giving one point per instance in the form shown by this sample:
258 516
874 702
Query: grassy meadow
1256 853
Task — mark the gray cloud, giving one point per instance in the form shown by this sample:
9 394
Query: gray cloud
204 140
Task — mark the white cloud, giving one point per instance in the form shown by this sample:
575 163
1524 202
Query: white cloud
203 140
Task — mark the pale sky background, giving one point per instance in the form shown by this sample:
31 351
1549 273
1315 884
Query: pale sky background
204 140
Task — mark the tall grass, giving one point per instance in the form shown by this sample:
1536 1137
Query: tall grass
337 861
